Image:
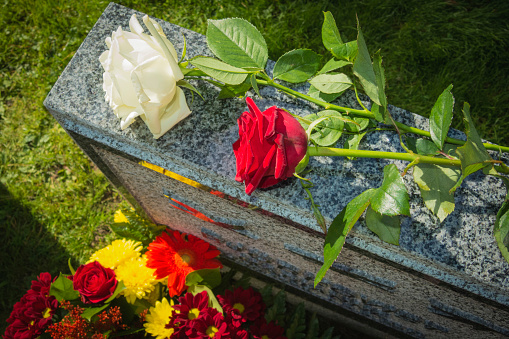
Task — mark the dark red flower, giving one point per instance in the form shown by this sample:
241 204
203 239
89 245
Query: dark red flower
33 313
210 325
175 255
263 330
95 282
270 145
241 305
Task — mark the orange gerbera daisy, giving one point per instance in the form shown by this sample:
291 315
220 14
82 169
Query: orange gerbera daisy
175 255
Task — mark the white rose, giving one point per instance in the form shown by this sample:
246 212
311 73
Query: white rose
140 78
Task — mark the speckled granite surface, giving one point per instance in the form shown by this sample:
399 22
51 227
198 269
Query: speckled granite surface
460 251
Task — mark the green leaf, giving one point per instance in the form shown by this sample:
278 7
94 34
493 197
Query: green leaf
278 309
327 132
89 312
353 142
391 198
237 42
422 146
315 93
186 84
196 289
472 154
333 65
313 327
297 325
297 65
254 84
331 83
301 166
120 287
73 271
363 69
232 91
441 117
208 277
62 289
220 71
347 51
435 182
379 110
501 229
386 227
339 229
330 33
359 124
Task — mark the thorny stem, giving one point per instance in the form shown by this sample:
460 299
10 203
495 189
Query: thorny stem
367 114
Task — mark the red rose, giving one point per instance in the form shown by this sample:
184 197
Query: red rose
271 144
94 282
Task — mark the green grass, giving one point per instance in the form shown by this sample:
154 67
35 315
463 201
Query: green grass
53 202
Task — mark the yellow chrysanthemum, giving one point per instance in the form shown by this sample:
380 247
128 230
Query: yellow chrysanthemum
138 279
158 317
119 217
118 252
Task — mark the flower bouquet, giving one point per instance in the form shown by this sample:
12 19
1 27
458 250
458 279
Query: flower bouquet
172 288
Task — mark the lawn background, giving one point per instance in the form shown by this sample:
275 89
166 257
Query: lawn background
54 204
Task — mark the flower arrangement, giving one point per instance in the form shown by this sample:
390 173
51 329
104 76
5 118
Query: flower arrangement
274 145
172 288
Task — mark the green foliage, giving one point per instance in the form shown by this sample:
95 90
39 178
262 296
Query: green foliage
501 229
331 83
386 227
325 127
435 183
220 71
330 33
333 65
473 154
363 69
207 277
62 289
297 65
339 229
379 110
137 227
441 117
237 42
297 324
315 93
391 198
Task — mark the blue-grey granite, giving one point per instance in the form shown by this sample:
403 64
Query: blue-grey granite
461 251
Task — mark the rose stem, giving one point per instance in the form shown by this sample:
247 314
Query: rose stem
368 114
341 152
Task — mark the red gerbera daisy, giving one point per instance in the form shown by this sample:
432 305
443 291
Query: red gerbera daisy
175 255
241 305
261 330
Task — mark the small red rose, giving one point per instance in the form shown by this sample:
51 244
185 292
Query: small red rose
94 282
270 146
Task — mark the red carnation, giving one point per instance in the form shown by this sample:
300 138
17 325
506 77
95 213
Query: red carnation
175 255
241 305
270 145
95 282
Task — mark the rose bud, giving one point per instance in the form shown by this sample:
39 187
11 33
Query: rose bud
140 78
94 282
270 145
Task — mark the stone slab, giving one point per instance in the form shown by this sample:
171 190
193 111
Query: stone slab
459 254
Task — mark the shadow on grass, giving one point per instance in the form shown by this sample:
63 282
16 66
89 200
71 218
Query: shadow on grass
26 249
